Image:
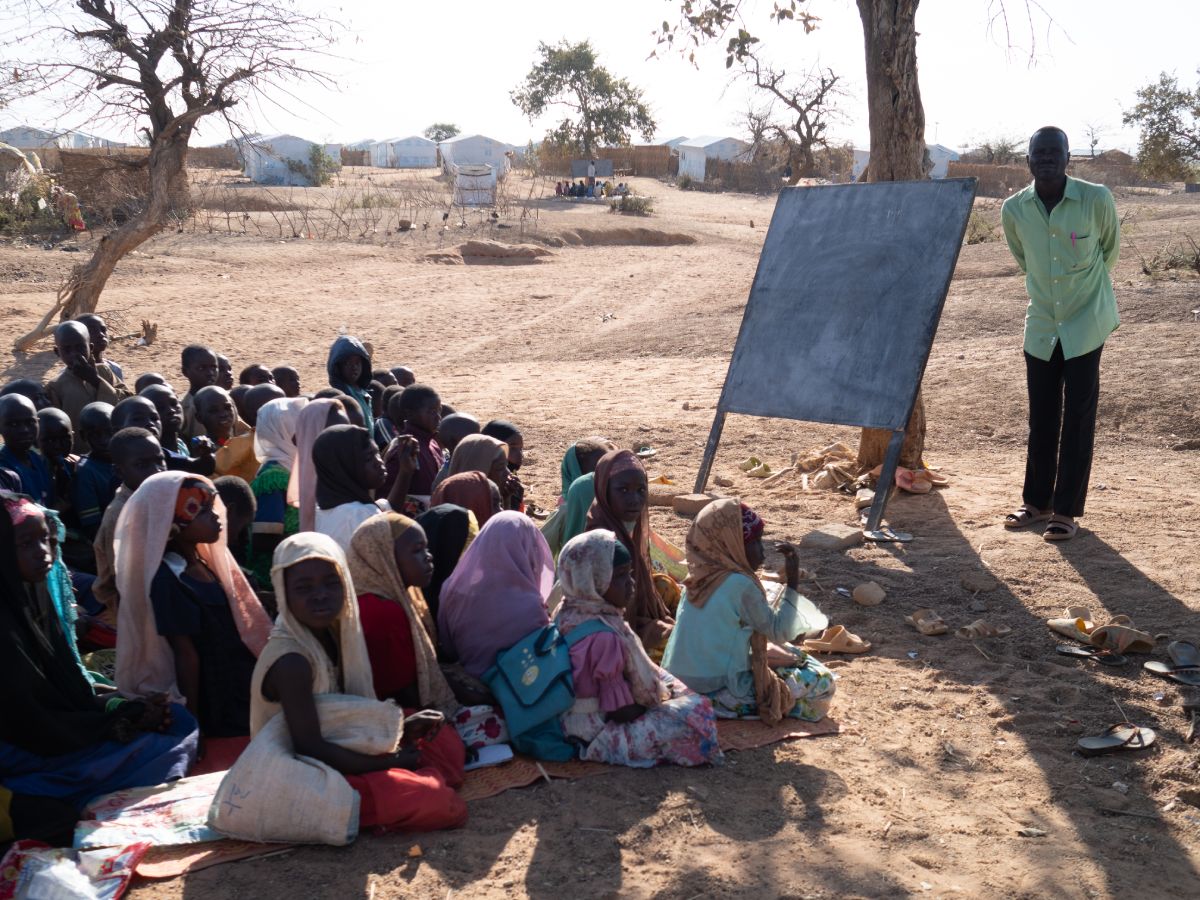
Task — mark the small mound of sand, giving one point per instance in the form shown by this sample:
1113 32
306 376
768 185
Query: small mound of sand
636 237
487 252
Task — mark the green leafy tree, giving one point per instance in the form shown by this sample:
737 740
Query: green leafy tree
1169 119
441 131
602 109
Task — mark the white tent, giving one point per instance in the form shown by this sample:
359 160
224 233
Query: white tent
474 185
28 137
939 155
266 158
474 150
413 152
695 152
674 142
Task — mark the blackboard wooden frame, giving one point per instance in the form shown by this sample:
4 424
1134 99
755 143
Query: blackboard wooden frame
843 310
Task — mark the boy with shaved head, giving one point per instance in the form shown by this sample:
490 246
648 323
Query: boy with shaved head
19 428
83 380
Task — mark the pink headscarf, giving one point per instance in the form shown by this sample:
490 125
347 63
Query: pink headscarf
145 663
497 593
303 484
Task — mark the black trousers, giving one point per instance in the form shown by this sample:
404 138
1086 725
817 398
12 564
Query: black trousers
1063 395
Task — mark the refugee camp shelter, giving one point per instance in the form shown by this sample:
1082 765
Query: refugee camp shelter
694 153
941 156
412 152
29 137
674 142
474 185
266 158
473 150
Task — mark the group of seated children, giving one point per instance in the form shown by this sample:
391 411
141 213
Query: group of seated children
180 573
592 189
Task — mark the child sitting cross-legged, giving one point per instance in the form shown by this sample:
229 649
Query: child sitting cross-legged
627 710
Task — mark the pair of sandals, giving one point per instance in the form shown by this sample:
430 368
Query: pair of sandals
930 624
1058 528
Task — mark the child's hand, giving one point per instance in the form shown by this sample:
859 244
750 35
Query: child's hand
421 726
83 368
791 564
406 452
514 491
203 447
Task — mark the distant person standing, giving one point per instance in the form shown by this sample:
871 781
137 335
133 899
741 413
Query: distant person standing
1065 236
591 173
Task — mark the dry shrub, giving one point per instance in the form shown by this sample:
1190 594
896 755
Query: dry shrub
632 204
991 180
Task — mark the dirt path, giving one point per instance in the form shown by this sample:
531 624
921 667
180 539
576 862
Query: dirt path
944 757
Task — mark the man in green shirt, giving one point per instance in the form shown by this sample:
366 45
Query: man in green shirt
1065 235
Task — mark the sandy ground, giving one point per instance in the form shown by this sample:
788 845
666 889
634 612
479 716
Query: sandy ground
948 748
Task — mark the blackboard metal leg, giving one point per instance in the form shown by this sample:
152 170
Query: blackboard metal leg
887 478
710 451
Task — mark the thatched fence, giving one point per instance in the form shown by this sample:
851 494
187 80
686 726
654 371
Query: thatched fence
111 186
642 160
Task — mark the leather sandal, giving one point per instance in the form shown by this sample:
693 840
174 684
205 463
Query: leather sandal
1060 528
1025 515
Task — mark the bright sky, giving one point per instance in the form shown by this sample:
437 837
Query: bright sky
407 64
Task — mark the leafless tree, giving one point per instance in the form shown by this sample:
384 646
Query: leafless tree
166 64
1094 131
809 103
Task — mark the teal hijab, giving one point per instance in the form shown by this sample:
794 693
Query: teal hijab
570 520
571 469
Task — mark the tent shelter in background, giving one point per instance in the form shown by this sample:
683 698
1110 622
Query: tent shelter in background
473 150
413 152
695 153
266 159
474 185
843 310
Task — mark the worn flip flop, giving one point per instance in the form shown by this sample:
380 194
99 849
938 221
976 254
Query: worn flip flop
836 639
1120 636
752 463
926 621
1122 736
981 629
1189 675
1096 654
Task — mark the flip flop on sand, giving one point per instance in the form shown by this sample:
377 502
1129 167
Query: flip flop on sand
927 622
1184 667
836 639
1104 657
752 463
1122 736
1120 636
645 451
1076 623
762 470
1025 515
981 629
912 482
1060 528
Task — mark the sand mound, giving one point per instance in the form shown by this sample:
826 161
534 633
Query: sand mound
637 237
476 252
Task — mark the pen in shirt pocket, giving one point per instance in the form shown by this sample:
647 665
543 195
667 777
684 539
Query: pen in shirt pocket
1075 237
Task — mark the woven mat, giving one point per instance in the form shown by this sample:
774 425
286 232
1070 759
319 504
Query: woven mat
735 734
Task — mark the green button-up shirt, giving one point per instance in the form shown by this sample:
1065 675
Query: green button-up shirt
1066 257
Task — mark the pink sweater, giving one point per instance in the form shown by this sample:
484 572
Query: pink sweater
598 667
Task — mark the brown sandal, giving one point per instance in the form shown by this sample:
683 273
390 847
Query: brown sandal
1025 515
927 622
1061 528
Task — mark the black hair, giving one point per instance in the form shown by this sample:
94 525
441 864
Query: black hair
500 430
244 375
53 412
291 370
189 353
416 395
1056 130
236 494
389 392
126 438
329 393
26 387
98 408
146 379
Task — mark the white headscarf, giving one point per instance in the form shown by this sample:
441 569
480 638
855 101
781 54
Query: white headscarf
289 636
275 431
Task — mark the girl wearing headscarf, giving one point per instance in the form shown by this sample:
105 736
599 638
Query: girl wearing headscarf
190 625
317 647
627 710
390 563
621 507
61 745
470 490
579 461
349 371
277 513
449 529
729 642
498 592
315 417
349 471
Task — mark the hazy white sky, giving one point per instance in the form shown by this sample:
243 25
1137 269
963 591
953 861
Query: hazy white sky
405 64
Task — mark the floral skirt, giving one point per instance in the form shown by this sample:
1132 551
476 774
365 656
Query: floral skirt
480 726
812 686
681 731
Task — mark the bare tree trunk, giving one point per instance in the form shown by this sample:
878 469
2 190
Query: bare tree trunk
168 189
897 122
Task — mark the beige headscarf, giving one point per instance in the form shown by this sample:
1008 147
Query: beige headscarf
352 675
145 663
476 453
373 568
716 550
303 483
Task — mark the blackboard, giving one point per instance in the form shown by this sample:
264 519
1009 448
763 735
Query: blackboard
846 301
579 167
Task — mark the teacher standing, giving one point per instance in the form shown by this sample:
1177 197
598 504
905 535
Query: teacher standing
1065 236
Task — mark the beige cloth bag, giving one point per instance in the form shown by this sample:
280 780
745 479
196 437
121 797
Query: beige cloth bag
271 794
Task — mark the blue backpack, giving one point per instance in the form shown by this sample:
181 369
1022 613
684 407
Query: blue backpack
532 681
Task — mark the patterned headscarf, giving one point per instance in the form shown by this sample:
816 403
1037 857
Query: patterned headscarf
752 525
20 508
